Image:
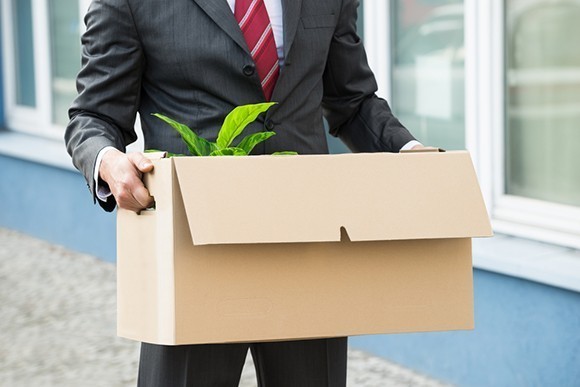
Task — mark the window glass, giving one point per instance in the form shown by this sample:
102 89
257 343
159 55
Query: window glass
65 55
543 100
24 53
428 70
360 21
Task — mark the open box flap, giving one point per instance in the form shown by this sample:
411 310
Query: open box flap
309 198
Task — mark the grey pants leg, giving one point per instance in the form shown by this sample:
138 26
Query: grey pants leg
307 363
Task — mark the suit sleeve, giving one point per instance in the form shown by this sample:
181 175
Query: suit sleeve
108 85
363 121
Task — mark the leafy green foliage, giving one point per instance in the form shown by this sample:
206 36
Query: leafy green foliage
237 120
198 146
250 142
229 152
234 124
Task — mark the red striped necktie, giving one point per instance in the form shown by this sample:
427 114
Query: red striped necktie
254 22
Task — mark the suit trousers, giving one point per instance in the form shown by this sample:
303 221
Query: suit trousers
305 363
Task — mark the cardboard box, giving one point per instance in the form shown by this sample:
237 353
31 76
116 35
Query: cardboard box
268 248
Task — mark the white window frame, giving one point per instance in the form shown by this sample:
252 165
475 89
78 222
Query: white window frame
36 120
485 119
486 111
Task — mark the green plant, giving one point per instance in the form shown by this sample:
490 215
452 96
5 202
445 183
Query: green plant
233 125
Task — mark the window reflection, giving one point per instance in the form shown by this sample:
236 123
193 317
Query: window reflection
64 22
428 70
543 100
24 53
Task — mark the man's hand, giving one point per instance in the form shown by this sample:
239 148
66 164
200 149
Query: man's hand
123 172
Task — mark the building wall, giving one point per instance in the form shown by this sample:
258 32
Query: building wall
54 204
526 334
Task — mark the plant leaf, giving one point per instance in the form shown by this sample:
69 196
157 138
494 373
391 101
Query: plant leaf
198 146
285 153
229 152
250 141
237 120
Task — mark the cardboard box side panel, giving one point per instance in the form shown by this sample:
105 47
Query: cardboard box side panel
146 305
374 196
270 292
137 285
186 301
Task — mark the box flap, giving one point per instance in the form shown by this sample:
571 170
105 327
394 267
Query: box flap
309 198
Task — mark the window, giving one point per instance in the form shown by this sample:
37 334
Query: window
23 54
543 100
360 21
536 178
502 79
428 70
41 42
65 56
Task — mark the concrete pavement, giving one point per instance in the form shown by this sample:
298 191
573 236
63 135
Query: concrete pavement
57 325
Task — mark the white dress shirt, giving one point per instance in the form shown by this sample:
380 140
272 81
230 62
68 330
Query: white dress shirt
274 8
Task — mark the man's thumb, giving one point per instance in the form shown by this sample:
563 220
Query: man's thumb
142 163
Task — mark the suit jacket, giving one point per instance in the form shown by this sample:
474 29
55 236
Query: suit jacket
188 59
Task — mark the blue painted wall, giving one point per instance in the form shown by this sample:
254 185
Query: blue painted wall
526 334
54 204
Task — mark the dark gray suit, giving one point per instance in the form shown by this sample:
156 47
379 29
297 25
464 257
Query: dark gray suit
188 59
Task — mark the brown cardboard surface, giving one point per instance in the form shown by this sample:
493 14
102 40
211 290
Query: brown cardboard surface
309 198
268 263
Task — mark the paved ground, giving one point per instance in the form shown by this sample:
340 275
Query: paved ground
57 325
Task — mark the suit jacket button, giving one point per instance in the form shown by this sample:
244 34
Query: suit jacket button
249 70
269 125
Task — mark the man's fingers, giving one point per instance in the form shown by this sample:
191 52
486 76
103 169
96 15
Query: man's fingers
142 196
141 193
131 194
135 205
122 172
142 163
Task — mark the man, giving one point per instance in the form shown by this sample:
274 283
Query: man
195 60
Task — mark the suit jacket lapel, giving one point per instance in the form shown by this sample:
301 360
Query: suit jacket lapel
291 10
222 15
220 12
